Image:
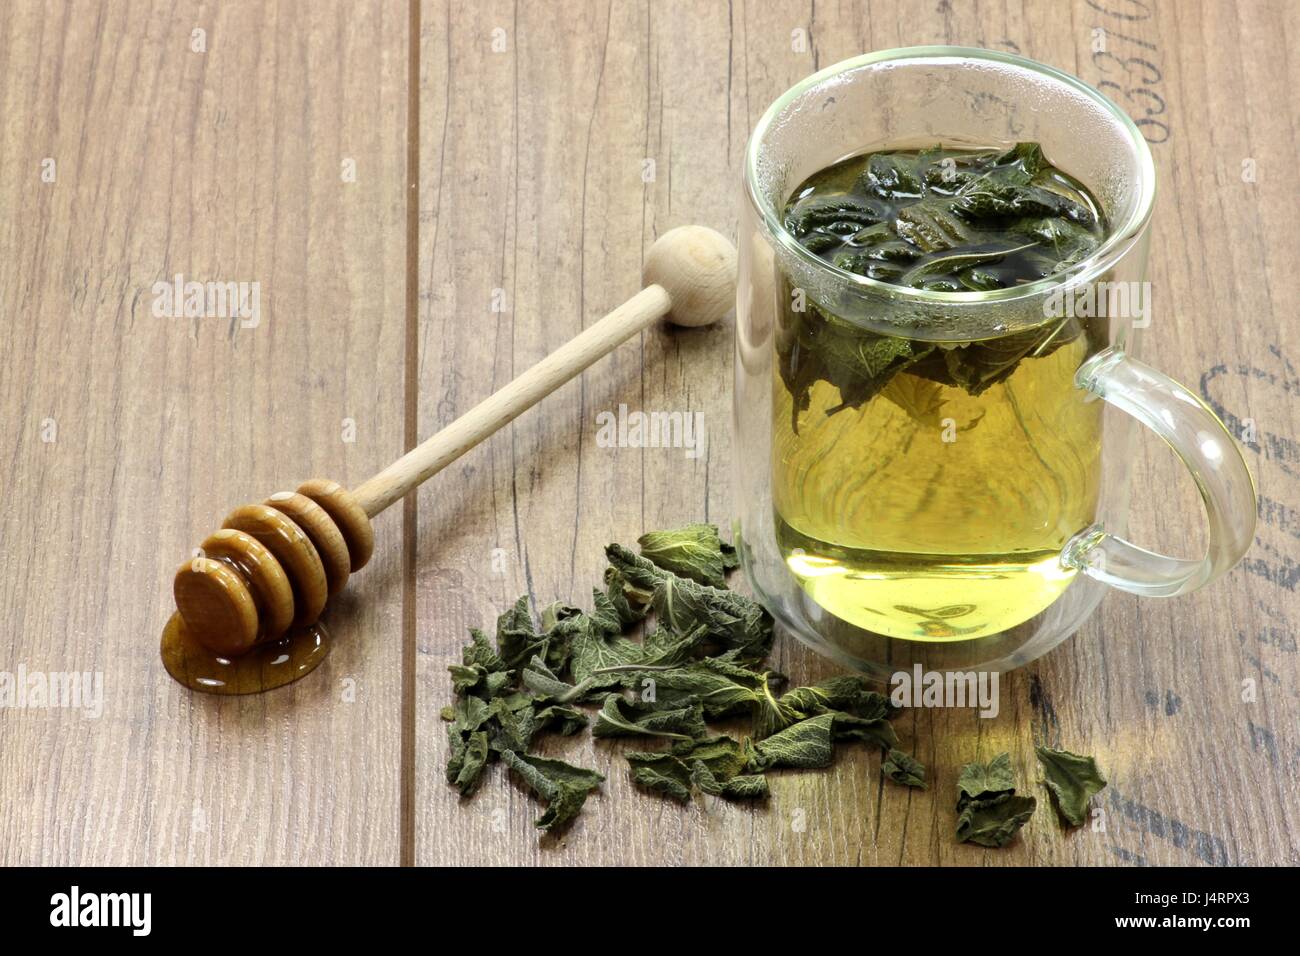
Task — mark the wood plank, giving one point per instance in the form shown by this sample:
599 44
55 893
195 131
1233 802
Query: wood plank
537 201
221 165
531 185
1200 775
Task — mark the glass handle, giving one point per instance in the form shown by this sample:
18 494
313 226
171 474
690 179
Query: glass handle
1207 449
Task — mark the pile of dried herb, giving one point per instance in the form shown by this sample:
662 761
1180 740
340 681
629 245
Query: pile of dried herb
702 661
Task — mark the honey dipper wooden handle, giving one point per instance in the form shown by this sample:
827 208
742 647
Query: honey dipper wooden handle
690 275
271 568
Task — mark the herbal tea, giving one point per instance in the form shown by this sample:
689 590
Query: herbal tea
924 490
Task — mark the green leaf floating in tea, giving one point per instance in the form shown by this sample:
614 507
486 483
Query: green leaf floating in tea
941 220
1073 780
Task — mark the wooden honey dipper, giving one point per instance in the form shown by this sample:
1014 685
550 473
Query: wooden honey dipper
247 606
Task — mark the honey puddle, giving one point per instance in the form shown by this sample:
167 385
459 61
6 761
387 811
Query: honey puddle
265 667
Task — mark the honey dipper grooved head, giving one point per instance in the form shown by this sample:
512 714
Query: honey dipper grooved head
272 567
323 532
697 268
295 552
216 605
262 574
352 521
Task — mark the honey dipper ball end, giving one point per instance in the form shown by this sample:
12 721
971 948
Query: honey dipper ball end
696 266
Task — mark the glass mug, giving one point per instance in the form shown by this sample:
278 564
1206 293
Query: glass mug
930 524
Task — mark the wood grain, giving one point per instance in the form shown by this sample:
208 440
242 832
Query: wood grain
555 142
532 164
222 165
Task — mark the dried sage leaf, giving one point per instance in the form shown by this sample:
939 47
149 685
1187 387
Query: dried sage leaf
1073 781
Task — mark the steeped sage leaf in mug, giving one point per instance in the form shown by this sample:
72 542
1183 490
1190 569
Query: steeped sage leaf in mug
924 489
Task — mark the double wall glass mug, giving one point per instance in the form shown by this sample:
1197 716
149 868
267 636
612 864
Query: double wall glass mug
933 522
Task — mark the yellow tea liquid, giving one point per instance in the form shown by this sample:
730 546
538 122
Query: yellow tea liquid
924 490
932 514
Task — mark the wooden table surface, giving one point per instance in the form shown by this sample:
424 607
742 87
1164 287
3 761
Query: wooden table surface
279 143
